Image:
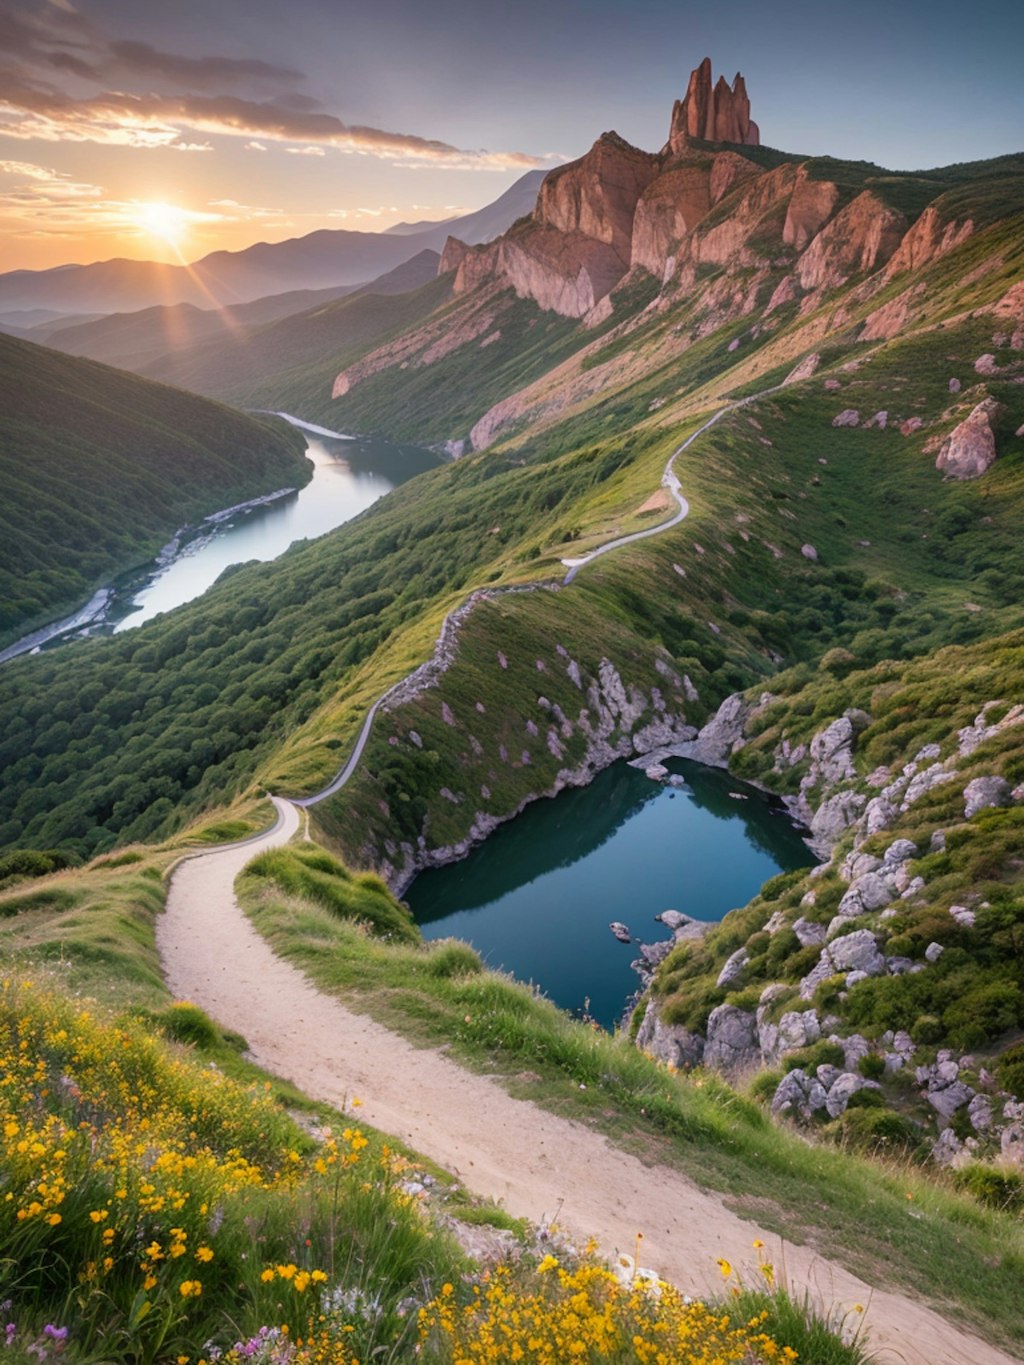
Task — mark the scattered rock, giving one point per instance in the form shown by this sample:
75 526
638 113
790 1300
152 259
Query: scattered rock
734 967
809 552
969 450
954 386
911 425
621 931
985 792
732 1043
849 417
669 1043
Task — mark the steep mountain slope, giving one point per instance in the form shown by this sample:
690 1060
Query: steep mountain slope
100 468
316 261
148 340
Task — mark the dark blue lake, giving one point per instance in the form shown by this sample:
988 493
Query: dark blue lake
537 898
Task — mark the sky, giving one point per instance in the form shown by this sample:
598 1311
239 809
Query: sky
165 129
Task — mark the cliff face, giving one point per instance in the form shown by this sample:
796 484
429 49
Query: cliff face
617 207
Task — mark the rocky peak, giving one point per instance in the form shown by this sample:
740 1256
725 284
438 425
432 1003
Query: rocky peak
718 113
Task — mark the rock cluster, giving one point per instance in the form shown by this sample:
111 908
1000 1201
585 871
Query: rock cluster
718 113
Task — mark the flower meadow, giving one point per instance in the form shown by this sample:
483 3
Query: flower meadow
154 1210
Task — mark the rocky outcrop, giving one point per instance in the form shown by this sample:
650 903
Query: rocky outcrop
597 195
812 204
970 449
712 114
930 237
861 237
669 210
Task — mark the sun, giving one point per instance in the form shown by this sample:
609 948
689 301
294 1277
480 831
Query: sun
165 221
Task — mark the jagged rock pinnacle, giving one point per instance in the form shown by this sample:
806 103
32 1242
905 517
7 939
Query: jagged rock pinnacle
712 114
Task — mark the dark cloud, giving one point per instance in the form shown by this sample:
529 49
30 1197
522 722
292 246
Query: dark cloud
195 72
207 98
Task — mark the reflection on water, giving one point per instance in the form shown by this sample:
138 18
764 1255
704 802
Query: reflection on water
348 476
538 896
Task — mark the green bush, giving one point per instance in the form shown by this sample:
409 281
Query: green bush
1009 1070
187 1023
872 1066
764 1085
983 1013
818 1054
450 958
1000 1189
875 1130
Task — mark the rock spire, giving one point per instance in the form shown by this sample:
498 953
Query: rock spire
718 113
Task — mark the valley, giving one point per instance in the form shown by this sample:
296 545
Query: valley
650 552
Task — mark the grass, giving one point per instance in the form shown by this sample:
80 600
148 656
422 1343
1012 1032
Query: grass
883 1221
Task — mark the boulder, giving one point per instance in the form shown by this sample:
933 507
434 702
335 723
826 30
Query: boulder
899 852
809 552
856 952
1012 1144
947 1099
867 893
733 969
669 1043
732 1043
984 792
946 1148
808 933
831 748
979 1111
842 1092
970 448
849 417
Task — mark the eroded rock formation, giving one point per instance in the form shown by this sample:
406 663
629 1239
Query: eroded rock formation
718 114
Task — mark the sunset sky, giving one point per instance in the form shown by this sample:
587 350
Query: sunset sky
166 130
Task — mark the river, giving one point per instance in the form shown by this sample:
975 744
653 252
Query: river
349 474
538 897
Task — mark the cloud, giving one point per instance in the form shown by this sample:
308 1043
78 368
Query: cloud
306 151
194 72
255 147
215 96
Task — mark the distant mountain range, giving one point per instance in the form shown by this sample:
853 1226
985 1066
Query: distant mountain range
319 260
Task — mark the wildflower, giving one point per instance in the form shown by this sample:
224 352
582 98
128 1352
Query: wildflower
724 1267
758 1244
204 1254
54 1219
190 1289
267 1275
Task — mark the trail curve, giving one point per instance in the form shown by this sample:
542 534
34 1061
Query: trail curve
540 1166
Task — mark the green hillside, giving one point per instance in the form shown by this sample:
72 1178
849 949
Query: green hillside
100 468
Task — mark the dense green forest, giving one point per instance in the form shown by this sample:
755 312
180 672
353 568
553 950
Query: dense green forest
100 468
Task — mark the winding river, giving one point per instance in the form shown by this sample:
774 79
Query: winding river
349 474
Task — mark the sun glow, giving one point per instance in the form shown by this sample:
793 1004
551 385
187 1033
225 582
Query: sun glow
166 221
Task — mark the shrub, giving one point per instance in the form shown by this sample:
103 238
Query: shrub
1010 1069
764 1085
872 1066
451 958
983 1013
1000 1189
875 1130
818 1054
776 886
187 1023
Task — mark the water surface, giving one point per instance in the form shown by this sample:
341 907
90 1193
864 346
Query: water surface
350 473
536 899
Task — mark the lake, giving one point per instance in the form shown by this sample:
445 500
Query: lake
537 897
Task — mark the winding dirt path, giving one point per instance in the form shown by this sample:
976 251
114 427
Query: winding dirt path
539 1165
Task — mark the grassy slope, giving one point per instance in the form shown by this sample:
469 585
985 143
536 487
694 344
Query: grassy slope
100 468
973 998
276 665
853 1209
